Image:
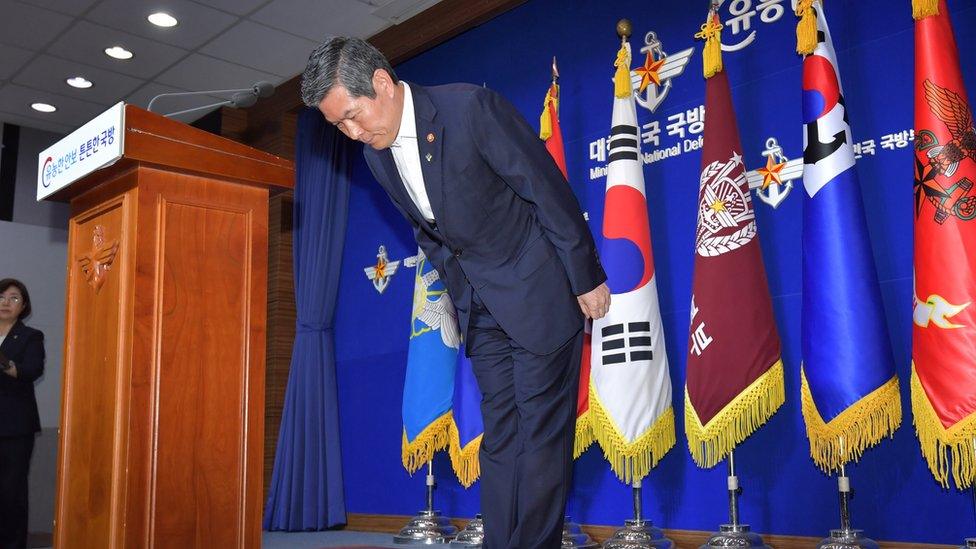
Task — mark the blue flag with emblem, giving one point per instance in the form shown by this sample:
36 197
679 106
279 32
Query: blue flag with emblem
432 358
850 397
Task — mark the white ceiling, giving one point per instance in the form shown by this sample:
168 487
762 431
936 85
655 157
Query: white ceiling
218 44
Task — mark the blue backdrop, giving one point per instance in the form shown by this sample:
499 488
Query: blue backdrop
896 496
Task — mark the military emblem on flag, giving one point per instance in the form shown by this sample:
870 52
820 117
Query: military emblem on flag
735 375
944 330
630 385
849 388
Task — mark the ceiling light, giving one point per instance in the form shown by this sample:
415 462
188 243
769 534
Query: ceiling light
79 82
43 107
118 52
161 19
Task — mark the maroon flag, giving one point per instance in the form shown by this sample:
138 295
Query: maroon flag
735 375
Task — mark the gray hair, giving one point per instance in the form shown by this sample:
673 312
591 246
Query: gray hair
346 62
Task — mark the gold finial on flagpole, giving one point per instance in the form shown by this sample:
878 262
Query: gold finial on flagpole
555 70
624 29
621 77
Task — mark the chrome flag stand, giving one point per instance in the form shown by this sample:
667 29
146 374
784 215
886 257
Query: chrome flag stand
846 537
473 534
575 538
428 527
734 534
638 533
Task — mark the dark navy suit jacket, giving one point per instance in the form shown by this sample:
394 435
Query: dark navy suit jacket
18 407
507 223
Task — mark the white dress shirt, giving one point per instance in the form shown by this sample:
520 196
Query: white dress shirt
406 156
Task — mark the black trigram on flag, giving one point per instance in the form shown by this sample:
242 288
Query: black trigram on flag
623 142
626 341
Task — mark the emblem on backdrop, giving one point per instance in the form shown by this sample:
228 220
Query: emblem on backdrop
652 81
774 181
382 271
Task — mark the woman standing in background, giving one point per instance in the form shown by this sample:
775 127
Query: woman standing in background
21 363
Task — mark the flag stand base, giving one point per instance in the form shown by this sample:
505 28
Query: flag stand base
847 539
638 534
970 544
735 535
426 528
473 534
575 537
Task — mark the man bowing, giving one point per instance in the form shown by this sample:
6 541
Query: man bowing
495 216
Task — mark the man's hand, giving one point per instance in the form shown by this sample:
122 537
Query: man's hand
596 302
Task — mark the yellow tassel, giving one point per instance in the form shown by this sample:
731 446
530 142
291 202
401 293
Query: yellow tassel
464 461
621 79
584 435
710 443
545 120
854 430
434 437
944 448
711 33
631 460
806 29
924 8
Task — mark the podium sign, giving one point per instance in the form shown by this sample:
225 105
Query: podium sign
96 145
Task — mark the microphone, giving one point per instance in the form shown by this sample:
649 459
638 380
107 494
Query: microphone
243 97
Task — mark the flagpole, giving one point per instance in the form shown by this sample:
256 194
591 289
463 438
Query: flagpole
428 527
734 491
844 487
734 534
638 533
846 536
637 501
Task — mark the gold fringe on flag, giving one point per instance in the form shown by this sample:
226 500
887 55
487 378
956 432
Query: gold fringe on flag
434 437
806 29
631 460
940 446
862 425
584 435
711 33
710 443
545 120
622 87
924 8
464 461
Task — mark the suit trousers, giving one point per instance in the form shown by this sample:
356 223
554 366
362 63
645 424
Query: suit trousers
529 410
15 454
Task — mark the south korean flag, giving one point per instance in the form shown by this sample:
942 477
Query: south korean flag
630 387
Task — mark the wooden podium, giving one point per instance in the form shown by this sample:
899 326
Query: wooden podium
163 391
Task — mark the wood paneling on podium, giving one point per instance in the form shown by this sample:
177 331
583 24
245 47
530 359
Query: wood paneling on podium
163 405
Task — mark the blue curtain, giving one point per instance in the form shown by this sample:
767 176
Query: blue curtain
306 486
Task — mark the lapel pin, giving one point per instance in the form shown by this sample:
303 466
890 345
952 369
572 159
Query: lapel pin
430 137
429 157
